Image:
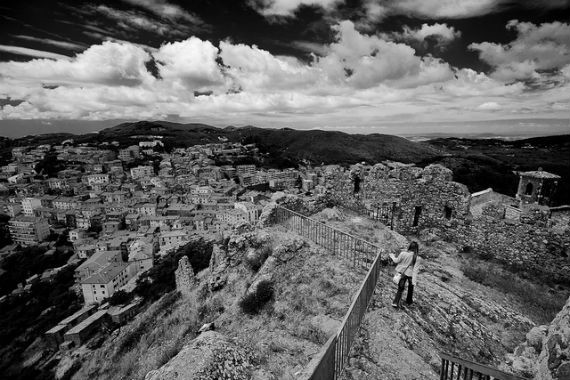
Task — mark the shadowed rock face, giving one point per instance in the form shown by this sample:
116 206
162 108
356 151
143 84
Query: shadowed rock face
546 352
210 356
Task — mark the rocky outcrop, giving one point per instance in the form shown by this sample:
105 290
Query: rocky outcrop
210 356
546 352
234 253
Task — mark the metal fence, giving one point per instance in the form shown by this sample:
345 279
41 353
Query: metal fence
360 253
461 369
384 212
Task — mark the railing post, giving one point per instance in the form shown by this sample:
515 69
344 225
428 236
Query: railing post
334 241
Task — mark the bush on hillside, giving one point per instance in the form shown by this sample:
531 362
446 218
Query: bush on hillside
253 302
120 298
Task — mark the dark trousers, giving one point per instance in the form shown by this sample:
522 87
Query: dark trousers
401 286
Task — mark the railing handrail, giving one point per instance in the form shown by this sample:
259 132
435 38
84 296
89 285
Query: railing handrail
360 289
339 345
481 368
332 228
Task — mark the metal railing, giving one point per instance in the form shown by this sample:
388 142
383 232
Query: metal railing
461 369
331 364
358 251
384 212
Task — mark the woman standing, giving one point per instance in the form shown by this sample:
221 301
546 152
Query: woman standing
408 266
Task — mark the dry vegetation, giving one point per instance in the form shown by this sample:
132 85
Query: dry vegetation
541 302
311 294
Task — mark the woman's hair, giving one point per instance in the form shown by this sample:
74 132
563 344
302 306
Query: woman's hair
413 247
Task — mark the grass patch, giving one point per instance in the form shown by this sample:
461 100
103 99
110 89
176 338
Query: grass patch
542 303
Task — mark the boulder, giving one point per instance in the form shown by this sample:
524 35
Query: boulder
535 336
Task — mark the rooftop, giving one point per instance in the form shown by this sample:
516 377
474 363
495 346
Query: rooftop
539 174
106 274
93 318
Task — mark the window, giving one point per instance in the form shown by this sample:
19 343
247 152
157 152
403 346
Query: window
417 213
356 184
448 211
529 188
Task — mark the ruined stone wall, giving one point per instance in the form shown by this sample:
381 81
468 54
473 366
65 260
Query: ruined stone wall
184 276
531 246
409 189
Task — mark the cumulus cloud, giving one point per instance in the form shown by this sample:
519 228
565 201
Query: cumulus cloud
361 73
537 48
440 33
366 61
190 63
254 69
109 63
489 106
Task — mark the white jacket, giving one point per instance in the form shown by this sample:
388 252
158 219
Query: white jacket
404 260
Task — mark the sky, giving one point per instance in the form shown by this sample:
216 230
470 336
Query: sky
352 65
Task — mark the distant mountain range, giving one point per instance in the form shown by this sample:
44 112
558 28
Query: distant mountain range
314 145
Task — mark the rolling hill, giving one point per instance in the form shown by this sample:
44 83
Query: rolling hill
315 145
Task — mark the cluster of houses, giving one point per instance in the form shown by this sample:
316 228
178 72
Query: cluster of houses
123 208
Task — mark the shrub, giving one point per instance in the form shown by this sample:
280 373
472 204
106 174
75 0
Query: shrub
211 309
252 302
120 298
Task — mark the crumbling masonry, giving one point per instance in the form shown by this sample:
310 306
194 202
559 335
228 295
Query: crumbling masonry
184 276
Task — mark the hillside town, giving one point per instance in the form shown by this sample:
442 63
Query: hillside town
99 232
121 210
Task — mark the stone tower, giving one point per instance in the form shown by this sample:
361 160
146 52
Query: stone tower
184 276
536 187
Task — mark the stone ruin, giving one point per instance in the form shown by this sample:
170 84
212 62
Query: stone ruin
184 276
413 198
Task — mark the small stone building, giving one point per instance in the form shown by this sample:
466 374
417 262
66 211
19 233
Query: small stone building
537 187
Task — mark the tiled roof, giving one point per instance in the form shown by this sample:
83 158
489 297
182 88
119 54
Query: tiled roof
106 274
